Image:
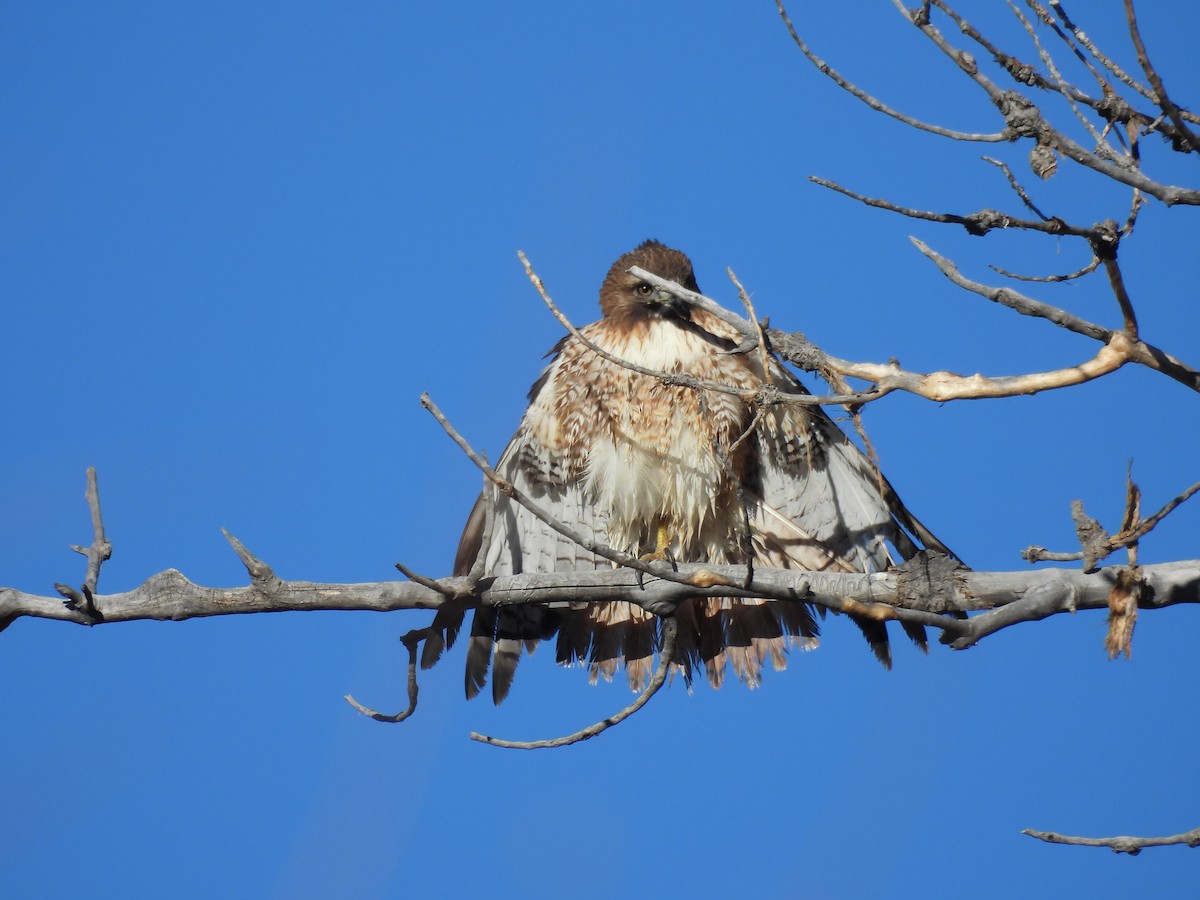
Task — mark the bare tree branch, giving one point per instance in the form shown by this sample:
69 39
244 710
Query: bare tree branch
1122 844
915 592
1133 530
944 386
1084 41
1066 89
977 223
1023 118
827 70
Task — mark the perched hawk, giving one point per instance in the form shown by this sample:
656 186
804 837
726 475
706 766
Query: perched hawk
646 467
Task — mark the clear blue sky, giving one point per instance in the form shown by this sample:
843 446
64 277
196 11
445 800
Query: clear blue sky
239 239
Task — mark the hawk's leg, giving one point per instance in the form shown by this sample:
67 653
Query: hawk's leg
662 549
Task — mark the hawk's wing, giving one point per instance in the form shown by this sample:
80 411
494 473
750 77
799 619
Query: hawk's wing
517 541
823 505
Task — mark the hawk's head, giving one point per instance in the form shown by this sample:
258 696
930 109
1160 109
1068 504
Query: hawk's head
624 295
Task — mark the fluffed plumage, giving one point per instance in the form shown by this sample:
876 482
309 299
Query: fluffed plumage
616 455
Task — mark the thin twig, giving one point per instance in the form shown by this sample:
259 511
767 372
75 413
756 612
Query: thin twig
825 69
665 658
97 553
1086 270
759 337
1026 306
506 487
976 223
1115 70
411 642
431 583
1015 185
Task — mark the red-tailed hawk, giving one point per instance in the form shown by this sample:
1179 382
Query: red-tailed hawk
636 464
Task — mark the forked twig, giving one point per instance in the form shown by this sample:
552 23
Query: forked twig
1134 528
665 659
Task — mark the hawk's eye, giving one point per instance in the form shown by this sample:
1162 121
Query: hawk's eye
644 289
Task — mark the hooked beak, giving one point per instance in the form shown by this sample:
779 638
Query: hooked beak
667 304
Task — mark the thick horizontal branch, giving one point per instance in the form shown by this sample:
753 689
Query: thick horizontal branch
916 592
170 596
1121 844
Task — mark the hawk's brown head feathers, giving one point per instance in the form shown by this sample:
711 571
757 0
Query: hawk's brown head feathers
625 296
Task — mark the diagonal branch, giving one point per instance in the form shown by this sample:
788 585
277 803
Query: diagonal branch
1084 41
825 69
1016 186
1138 351
1185 136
